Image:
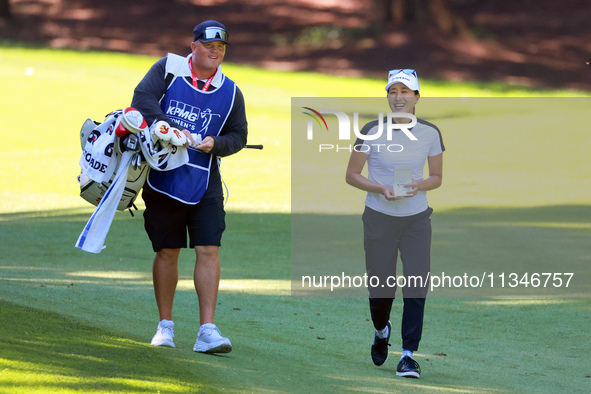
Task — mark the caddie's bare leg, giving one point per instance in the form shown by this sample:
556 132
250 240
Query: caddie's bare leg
207 279
165 275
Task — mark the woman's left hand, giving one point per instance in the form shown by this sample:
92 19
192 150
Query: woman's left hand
414 188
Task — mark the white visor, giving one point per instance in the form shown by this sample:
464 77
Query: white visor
406 76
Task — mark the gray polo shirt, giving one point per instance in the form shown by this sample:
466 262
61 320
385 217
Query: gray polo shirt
385 155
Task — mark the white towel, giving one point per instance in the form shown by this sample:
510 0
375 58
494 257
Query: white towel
98 160
93 236
162 157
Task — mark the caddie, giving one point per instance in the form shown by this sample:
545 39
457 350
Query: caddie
192 95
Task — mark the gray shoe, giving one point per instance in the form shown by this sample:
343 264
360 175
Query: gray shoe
210 340
164 334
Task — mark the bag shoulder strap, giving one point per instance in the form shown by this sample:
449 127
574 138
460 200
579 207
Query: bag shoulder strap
176 66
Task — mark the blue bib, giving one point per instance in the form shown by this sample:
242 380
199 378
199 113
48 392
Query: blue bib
204 113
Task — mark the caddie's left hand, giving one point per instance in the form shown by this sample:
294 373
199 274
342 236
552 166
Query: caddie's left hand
414 188
206 145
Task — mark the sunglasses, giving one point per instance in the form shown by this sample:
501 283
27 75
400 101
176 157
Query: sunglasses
211 33
408 71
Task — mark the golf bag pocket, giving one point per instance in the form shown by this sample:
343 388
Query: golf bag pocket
93 192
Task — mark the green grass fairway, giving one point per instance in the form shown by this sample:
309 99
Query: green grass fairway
78 322
82 322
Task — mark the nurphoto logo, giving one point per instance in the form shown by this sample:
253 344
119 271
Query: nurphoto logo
344 128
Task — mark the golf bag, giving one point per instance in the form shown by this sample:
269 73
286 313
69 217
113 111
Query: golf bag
94 190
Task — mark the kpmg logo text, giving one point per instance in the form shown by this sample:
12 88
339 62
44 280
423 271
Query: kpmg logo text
189 117
344 122
181 110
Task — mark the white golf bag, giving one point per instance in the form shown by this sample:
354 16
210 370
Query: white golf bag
93 191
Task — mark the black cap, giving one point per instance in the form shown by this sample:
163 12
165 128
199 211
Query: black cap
210 31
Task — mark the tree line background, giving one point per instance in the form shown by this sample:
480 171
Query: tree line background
540 43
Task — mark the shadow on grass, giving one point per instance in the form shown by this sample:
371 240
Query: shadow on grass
65 354
256 245
270 246
492 246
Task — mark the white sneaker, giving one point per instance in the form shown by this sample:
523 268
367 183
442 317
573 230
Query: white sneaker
164 334
210 340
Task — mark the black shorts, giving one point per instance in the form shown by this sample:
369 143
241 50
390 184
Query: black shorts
167 221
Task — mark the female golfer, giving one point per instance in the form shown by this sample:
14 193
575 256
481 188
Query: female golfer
398 221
